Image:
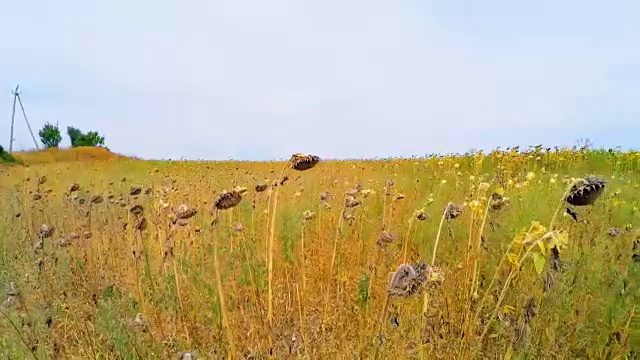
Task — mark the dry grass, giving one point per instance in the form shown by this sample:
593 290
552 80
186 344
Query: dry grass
55 155
137 262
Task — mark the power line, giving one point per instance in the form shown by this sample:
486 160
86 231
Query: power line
16 97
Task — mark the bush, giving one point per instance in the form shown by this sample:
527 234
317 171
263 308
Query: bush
50 135
78 138
6 157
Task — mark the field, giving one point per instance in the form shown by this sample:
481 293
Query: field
136 261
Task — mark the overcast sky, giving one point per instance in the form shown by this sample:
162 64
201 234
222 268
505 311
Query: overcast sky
353 78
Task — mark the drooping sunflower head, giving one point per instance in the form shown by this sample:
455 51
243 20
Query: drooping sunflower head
229 199
586 191
302 162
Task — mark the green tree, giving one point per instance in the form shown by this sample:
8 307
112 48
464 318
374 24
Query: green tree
74 135
78 138
50 135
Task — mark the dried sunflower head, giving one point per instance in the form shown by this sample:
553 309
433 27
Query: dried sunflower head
229 199
384 238
184 212
453 211
586 191
96 199
74 187
302 162
137 210
45 231
613 232
351 202
421 215
404 281
407 279
498 201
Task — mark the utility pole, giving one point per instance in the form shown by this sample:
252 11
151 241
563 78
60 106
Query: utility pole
16 97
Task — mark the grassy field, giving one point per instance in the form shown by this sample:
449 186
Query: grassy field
122 267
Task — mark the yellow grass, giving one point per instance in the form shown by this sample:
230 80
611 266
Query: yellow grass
55 155
80 301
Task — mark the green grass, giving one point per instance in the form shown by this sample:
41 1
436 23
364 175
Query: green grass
7 158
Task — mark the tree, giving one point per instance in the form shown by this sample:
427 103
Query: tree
78 138
50 135
74 135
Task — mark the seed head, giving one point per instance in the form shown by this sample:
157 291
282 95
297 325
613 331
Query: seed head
613 232
384 238
498 201
45 231
137 210
74 187
229 199
96 199
302 162
184 212
261 187
586 191
407 280
453 211
421 215
61 243
351 202
140 322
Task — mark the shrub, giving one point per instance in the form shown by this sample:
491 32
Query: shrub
50 135
6 157
78 138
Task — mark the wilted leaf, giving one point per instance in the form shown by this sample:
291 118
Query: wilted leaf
542 247
538 262
558 240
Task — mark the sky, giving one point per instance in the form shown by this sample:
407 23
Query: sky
260 80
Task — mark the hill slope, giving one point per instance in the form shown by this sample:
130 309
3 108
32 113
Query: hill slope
67 155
